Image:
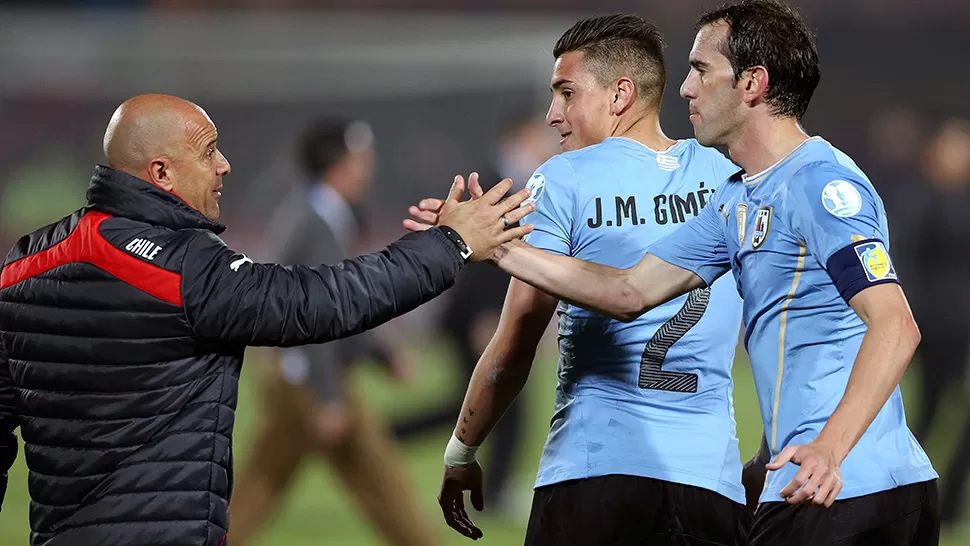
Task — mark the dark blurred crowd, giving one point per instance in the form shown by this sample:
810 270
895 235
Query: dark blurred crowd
922 171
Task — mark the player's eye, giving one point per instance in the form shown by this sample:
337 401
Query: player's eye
567 94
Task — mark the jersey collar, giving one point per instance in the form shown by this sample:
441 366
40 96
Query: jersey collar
755 178
673 149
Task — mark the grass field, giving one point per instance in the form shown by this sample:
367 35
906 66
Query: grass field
317 511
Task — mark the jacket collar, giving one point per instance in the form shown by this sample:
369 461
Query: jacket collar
120 194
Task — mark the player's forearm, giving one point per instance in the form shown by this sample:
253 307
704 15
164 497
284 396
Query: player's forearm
883 357
497 380
606 290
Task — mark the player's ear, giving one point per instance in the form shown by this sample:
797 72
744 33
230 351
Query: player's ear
624 95
160 173
754 83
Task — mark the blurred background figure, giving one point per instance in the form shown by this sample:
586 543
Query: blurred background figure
939 268
936 275
309 408
473 308
893 163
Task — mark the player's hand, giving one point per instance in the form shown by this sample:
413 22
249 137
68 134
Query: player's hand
426 212
818 481
484 223
454 483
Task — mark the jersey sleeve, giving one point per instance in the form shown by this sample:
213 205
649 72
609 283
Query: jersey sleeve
699 245
236 301
553 188
841 219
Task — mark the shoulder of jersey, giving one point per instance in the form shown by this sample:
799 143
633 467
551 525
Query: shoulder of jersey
707 151
604 153
589 152
556 171
563 167
561 170
841 191
717 160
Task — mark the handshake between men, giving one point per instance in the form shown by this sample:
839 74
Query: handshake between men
482 221
436 212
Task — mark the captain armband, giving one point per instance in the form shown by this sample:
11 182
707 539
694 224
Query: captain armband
860 265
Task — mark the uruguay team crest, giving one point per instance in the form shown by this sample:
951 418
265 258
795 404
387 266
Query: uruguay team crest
762 224
742 213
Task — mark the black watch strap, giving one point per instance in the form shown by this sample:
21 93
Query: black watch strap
453 236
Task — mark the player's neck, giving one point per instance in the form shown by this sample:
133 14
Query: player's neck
765 142
645 129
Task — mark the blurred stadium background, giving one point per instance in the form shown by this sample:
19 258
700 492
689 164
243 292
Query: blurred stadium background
436 80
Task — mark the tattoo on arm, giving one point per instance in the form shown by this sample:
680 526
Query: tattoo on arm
464 420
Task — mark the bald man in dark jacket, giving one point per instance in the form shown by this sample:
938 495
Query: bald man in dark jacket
123 327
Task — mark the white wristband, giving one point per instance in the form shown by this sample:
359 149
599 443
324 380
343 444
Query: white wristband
458 454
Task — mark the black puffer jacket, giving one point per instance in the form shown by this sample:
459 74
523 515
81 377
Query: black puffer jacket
124 327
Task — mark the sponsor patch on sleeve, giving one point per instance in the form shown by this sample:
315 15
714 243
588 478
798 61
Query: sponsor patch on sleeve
875 261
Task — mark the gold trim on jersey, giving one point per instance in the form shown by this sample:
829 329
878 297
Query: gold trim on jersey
742 216
802 249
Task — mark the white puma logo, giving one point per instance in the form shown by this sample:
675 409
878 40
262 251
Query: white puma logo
236 264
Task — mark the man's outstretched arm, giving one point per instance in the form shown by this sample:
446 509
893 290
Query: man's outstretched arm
692 256
273 305
622 294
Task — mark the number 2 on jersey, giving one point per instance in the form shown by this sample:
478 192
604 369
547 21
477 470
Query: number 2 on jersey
652 376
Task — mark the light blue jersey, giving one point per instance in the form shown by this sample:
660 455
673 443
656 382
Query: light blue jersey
777 231
651 398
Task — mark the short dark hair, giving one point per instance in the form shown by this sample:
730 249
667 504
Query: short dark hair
620 45
327 141
771 34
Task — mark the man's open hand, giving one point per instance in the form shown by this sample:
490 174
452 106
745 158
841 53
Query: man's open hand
818 481
482 221
425 214
454 483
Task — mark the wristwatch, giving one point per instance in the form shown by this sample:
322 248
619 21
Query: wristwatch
453 236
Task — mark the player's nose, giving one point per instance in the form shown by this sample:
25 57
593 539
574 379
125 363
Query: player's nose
686 89
224 166
553 116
